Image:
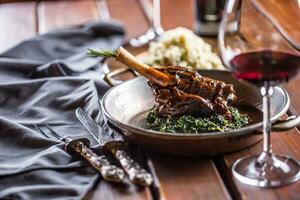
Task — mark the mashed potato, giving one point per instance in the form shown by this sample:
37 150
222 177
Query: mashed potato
181 47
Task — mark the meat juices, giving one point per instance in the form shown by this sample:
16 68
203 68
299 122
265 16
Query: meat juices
192 94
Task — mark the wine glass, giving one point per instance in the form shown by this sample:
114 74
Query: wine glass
258 44
155 29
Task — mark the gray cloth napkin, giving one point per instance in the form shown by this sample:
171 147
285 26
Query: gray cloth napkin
43 80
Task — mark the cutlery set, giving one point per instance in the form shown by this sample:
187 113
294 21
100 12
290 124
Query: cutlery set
111 142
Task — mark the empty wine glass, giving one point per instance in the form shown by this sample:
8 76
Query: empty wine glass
155 29
258 44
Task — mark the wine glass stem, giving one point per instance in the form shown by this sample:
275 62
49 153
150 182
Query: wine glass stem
267 92
156 14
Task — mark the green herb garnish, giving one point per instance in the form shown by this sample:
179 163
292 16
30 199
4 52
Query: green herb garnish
191 124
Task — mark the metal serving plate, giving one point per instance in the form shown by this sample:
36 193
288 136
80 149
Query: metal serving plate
127 105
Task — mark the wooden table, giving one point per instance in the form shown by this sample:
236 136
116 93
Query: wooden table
179 178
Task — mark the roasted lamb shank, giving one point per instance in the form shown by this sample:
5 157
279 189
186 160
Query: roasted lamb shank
192 94
179 90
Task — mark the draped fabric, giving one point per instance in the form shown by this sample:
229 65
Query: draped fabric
43 80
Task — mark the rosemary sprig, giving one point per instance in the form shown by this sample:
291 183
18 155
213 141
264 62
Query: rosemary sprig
102 53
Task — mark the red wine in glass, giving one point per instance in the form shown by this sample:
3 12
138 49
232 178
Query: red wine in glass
258 48
260 66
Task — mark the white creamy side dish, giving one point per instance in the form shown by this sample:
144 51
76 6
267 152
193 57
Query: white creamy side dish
181 47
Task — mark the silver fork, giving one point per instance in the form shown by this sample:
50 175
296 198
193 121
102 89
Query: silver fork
81 146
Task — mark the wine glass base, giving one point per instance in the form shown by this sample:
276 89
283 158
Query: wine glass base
266 170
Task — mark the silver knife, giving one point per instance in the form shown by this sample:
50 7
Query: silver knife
108 171
117 147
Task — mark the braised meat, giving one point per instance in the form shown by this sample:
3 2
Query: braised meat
192 94
178 90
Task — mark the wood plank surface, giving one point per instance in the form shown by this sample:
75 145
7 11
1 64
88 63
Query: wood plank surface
130 14
13 1
189 178
57 14
285 22
176 13
258 39
284 143
293 88
17 22
109 191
